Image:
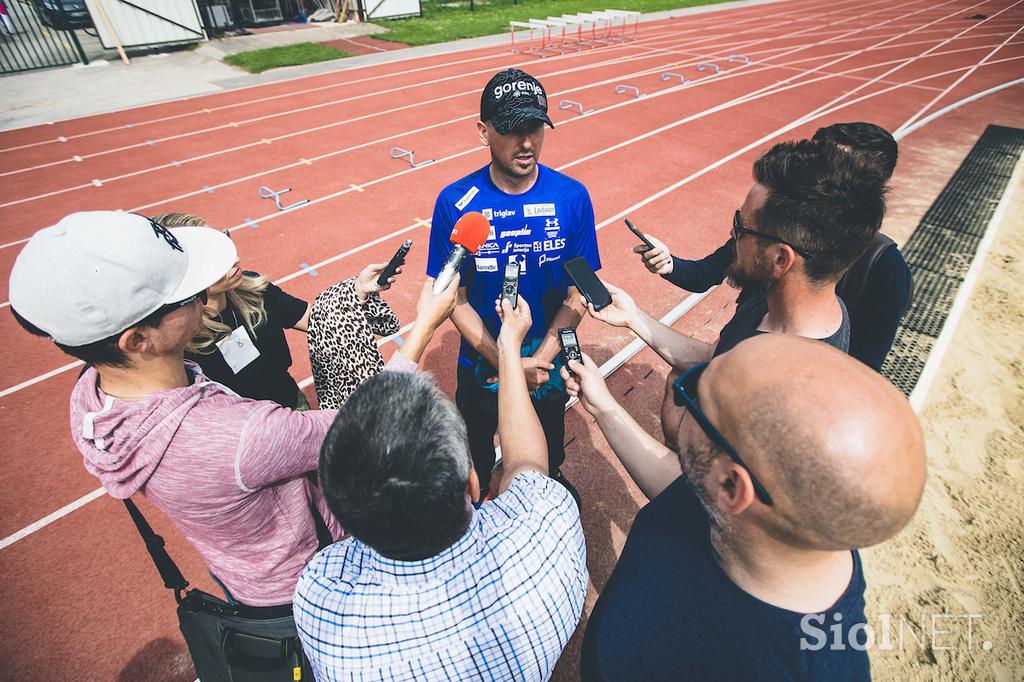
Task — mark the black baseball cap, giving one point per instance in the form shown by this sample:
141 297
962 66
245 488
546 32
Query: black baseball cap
511 98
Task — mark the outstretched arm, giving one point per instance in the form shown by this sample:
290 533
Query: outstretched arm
650 464
523 447
676 349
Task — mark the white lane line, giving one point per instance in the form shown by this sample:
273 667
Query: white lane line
41 377
666 36
565 166
932 49
963 296
900 134
50 518
957 82
634 346
667 24
599 64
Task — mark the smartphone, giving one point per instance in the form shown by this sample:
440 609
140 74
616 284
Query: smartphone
640 235
397 261
570 346
586 281
510 284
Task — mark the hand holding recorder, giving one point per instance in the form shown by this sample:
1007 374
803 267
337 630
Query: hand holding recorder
583 380
515 323
368 280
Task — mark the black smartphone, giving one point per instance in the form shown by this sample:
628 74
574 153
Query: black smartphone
640 235
585 279
570 346
397 261
510 284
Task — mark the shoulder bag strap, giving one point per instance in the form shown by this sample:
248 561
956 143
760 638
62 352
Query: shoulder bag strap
323 535
172 577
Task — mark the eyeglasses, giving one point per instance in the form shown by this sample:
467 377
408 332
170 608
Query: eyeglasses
738 230
684 392
168 308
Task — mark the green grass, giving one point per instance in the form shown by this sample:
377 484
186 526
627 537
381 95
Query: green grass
444 21
257 61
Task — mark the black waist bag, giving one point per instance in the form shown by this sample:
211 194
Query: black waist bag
231 642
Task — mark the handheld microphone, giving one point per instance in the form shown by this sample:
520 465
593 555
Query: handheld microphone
468 235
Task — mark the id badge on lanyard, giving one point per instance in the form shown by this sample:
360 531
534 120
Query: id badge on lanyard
238 349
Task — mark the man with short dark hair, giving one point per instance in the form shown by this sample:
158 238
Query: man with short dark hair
745 567
125 294
427 587
539 219
876 312
811 212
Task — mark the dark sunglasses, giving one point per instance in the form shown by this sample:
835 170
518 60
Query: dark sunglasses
684 392
168 308
738 230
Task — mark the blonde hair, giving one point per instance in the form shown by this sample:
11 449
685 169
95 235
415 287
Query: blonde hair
246 299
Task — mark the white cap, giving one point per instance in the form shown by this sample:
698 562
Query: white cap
97 273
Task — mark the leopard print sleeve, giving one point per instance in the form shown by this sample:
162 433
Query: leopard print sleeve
342 348
380 316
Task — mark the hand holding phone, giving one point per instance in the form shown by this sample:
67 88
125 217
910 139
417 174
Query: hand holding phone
397 261
640 235
585 279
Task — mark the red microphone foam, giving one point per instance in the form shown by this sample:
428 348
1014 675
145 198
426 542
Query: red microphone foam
471 231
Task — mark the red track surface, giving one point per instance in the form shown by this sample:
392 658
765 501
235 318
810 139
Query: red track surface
81 599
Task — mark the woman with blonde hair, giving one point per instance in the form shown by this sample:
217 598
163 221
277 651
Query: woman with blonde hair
242 343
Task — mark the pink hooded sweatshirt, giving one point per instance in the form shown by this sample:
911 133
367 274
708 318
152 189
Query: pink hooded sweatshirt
229 471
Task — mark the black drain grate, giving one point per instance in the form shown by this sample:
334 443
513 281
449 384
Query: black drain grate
942 247
942 251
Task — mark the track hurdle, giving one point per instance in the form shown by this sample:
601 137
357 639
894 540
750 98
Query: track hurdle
399 153
535 41
569 104
267 193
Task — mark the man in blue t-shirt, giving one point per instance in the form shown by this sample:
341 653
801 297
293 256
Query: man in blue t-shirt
745 565
540 219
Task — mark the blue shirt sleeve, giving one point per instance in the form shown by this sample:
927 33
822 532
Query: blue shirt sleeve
440 235
584 241
701 275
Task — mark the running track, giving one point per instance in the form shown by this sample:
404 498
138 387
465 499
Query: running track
81 598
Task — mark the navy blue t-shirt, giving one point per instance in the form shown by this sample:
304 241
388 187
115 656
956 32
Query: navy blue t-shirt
669 612
544 227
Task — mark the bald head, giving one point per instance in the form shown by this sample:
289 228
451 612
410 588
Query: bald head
836 445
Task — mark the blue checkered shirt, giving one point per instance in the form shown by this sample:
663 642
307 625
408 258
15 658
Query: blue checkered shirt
499 604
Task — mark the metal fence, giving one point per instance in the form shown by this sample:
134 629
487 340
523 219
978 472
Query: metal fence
39 34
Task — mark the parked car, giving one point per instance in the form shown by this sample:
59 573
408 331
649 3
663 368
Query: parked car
75 14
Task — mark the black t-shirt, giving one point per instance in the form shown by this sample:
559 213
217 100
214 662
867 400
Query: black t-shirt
875 318
752 310
669 612
266 377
